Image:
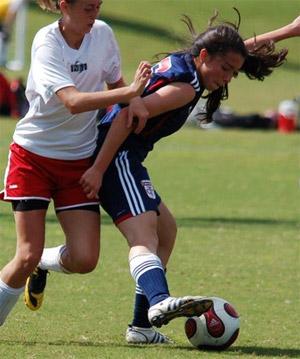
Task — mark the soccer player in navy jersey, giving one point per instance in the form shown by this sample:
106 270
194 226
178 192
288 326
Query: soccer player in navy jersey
126 192
178 81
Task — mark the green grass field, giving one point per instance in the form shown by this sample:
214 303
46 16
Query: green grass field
141 36
236 199
235 194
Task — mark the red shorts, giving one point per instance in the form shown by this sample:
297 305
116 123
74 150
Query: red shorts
30 176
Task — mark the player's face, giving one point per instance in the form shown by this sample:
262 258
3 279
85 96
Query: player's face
81 14
218 70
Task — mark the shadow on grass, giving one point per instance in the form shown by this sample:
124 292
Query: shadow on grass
238 350
131 25
292 66
223 221
51 218
194 221
265 351
138 27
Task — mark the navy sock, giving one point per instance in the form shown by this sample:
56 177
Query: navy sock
154 285
140 314
141 307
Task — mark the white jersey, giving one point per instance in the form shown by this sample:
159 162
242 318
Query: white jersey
49 129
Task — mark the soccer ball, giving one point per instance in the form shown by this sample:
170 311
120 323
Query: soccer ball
216 329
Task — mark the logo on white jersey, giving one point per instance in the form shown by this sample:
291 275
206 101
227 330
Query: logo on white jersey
148 188
78 67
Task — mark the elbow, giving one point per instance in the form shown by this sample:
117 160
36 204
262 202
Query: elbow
72 107
73 110
72 100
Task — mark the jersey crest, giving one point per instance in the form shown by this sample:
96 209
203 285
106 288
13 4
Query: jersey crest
163 66
148 188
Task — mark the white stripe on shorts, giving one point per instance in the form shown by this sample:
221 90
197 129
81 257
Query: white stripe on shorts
130 189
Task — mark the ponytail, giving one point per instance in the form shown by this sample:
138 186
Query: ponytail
261 61
49 5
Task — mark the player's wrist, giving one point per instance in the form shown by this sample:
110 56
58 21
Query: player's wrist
100 167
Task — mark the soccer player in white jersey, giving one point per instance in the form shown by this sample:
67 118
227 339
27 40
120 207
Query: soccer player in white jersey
72 60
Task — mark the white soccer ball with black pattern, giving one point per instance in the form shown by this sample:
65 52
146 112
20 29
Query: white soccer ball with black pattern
216 329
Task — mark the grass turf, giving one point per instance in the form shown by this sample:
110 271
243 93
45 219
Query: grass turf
235 195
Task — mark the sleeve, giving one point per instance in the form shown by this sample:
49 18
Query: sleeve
49 71
112 68
177 69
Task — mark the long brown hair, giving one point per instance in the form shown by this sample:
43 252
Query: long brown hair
259 62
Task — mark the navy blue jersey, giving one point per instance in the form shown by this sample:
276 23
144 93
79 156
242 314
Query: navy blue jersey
174 68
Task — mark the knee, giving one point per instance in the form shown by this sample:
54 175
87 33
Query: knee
85 263
27 261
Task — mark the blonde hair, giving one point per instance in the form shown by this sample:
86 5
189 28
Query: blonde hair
50 5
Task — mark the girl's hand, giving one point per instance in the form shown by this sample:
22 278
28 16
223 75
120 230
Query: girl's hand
91 182
142 75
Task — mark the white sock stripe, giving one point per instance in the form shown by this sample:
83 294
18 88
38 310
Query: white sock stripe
123 184
143 269
144 265
137 275
139 290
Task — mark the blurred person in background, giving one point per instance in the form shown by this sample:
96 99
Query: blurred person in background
8 13
8 99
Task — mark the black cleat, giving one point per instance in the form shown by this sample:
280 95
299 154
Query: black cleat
34 288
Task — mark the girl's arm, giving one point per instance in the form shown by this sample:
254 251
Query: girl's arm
77 102
136 112
165 99
285 32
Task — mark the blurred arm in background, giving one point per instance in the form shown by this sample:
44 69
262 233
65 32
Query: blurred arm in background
8 12
282 33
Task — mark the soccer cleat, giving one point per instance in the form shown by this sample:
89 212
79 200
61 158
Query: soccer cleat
34 288
170 308
136 335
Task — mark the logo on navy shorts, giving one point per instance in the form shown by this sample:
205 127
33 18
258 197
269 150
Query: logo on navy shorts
148 188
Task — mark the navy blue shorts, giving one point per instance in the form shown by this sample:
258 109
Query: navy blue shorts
126 188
